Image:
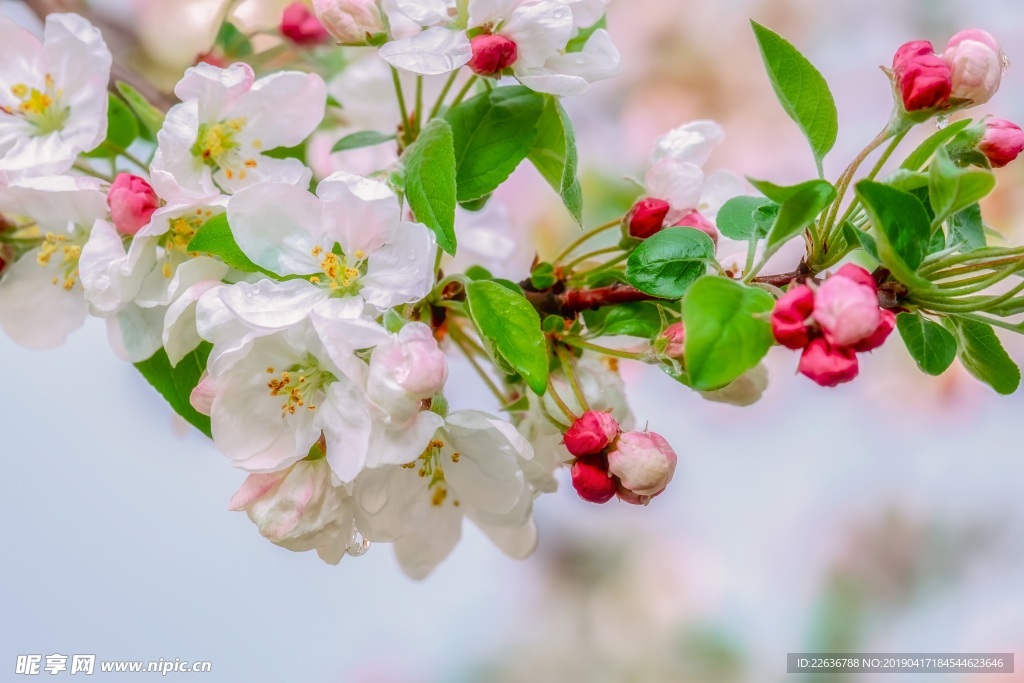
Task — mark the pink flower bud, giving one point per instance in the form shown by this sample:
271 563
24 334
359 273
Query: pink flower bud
881 333
789 317
924 79
976 61
132 202
591 433
647 217
828 365
858 275
1002 143
846 311
591 480
302 26
695 220
410 364
675 335
296 508
643 461
353 22
492 54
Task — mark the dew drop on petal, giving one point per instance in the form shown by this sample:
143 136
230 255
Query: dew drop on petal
357 546
942 121
1006 63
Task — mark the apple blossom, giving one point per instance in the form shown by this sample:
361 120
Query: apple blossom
886 324
301 26
846 310
790 317
1002 142
828 365
647 217
352 22
591 479
53 102
298 508
977 63
594 431
492 54
924 80
132 202
216 140
644 462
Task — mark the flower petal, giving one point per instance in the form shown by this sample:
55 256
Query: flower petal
402 271
361 214
277 225
434 51
284 108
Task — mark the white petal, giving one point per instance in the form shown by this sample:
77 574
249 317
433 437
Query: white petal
344 417
216 89
284 108
176 173
137 333
719 187
21 53
277 226
272 305
110 276
398 446
160 290
180 336
487 477
516 542
679 183
418 553
54 201
361 214
435 51
692 143
267 170
35 313
424 12
539 30
402 271
489 11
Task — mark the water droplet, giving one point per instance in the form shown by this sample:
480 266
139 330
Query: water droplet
1006 63
942 121
357 545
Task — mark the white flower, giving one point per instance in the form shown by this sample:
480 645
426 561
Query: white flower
289 231
41 300
534 33
135 288
604 390
53 95
675 173
299 509
215 140
472 469
488 238
273 394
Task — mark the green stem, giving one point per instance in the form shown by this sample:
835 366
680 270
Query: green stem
90 171
461 341
122 152
401 104
444 93
578 275
870 176
462 93
615 353
567 367
419 104
591 254
560 403
568 249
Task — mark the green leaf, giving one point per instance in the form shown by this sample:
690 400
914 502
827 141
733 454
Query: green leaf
920 156
967 228
151 117
929 344
727 330
232 42
214 238
122 129
903 228
175 384
430 181
801 89
952 189
854 237
983 355
800 205
554 155
641 319
736 219
493 131
665 264
364 138
508 322
543 276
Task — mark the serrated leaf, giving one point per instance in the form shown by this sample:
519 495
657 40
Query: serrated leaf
364 138
555 157
493 132
214 238
727 330
665 264
904 230
929 344
983 355
507 321
430 181
801 90
151 117
175 384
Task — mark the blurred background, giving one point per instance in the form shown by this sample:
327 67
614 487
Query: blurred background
883 516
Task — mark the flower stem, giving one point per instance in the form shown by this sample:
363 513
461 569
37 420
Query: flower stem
462 341
90 171
615 353
419 104
465 91
444 93
560 403
590 254
870 176
401 104
584 237
568 367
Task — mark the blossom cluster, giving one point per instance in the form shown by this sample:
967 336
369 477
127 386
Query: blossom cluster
304 320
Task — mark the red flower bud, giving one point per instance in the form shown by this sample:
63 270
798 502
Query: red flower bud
695 220
1002 143
789 317
492 54
647 217
924 79
591 433
591 480
132 202
828 365
886 324
300 25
